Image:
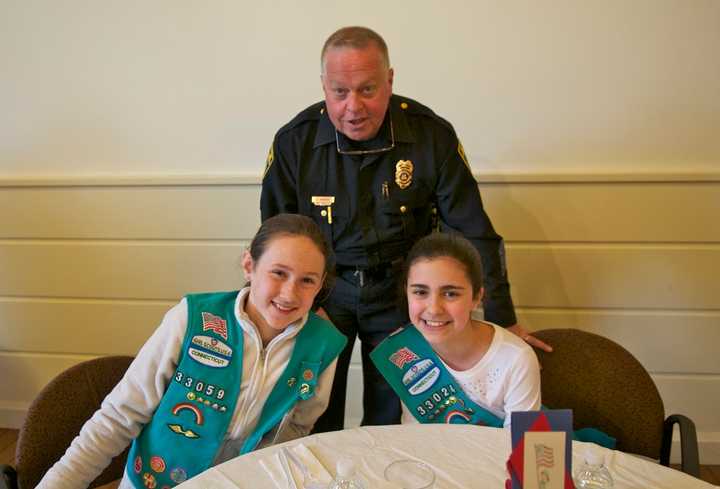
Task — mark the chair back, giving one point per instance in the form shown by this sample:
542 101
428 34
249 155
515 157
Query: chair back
605 386
59 411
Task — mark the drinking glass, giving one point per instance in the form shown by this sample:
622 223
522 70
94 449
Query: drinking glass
410 474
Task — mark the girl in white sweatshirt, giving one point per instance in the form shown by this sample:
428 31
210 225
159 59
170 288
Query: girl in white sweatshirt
223 374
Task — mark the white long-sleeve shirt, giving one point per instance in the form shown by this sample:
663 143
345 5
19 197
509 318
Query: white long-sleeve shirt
133 401
505 379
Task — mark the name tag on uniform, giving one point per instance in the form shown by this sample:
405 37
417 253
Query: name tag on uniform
323 200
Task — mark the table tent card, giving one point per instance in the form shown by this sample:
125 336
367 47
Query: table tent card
541 456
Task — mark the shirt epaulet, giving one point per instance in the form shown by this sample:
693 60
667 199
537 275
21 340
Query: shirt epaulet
312 113
415 108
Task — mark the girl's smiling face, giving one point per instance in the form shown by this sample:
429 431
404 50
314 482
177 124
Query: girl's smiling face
284 283
440 298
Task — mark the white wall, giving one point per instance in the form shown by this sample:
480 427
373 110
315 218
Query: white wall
126 87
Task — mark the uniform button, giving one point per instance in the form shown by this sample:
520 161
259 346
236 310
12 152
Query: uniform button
323 213
322 111
403 105
403 209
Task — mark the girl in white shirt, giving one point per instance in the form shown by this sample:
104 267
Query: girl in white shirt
196 393
487 366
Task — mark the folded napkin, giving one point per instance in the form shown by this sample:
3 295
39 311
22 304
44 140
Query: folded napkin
273 467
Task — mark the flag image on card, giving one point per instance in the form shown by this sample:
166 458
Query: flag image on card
544 456
544 463
544 460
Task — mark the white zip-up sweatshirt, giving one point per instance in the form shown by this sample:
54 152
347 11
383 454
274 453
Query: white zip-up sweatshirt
133 401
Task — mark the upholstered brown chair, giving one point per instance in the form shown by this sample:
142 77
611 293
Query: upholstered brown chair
55 418
607 388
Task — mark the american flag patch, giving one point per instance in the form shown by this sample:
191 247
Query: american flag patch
403 356
215 324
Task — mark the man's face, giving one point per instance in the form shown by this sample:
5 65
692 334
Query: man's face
357 87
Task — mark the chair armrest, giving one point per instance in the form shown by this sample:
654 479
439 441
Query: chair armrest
689 459
8 477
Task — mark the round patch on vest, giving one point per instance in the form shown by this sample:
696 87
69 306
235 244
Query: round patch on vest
149 480
178 475
138 464
157 464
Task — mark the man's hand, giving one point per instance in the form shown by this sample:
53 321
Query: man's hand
528 338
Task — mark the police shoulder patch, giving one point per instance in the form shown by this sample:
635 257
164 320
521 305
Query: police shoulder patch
269 159
461 152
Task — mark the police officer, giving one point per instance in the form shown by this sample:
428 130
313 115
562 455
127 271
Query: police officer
377 171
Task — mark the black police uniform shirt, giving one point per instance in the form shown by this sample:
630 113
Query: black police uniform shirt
372 207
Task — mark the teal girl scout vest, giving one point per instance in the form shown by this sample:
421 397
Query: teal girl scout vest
189 425
430 392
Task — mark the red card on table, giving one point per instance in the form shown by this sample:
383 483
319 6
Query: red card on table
541 456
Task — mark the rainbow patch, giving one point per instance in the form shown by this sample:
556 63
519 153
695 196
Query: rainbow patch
199 418
455 416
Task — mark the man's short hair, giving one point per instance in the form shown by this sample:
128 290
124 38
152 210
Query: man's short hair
356 37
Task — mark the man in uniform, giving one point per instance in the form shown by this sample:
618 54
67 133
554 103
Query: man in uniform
377 171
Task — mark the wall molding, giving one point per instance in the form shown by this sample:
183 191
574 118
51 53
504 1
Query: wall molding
12 414
215 179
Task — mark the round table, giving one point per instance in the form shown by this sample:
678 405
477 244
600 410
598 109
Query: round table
462 456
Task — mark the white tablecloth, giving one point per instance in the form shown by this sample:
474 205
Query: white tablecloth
462 456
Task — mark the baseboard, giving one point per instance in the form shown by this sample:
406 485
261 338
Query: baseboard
12 414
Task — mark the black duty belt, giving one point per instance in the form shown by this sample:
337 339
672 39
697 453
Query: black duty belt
364 275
